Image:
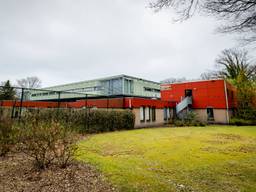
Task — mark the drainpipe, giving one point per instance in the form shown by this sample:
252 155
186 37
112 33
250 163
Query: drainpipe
226 97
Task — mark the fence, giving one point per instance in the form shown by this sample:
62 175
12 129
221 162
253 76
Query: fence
15 100
76 108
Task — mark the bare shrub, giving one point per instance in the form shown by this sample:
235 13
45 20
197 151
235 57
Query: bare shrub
65 148
47 143
6 135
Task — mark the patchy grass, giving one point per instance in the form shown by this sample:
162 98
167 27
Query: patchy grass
213 158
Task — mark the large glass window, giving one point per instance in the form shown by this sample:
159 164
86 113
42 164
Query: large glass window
128 86
142 114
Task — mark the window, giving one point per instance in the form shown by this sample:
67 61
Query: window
210 114
142 114
147 112
153 114
151 90
165 113
168 113
128 86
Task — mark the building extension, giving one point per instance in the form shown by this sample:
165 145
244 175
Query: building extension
114 86
212 101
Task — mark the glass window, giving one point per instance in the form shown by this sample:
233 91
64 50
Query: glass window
165 113
142 114
153 114
128 86
168 113
147 112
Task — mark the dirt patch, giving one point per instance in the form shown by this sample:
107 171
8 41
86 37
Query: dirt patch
17 174
223 138
229 150
247 149
229 137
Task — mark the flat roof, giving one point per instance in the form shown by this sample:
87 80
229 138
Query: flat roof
192 81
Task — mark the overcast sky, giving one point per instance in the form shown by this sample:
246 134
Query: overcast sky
63 41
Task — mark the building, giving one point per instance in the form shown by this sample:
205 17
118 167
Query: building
121 85
212 100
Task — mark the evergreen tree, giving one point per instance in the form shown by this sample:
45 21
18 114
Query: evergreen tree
7 92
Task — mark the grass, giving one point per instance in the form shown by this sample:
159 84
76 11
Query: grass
213 158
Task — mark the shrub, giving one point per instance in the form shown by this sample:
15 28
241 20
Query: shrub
47 143
86 121
6 135
189 119
179 123
241 122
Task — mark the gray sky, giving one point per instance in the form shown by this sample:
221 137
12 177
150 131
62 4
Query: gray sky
63 41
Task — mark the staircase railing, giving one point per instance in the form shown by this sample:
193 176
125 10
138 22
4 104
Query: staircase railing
183 104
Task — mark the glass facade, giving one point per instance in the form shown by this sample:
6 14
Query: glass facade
111 86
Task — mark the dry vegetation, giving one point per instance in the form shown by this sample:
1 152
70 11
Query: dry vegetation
18 175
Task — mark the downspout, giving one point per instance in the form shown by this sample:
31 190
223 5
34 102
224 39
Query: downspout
226 96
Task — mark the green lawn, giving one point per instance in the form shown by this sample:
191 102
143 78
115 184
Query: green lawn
213 158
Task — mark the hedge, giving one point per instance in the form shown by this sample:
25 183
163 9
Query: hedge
85 121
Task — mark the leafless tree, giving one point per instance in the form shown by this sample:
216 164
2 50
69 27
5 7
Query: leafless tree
29 82
234 62
240 15
209 75
173 80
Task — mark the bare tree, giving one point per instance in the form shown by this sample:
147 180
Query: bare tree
173 80
234 62
240 15
29 82
209 75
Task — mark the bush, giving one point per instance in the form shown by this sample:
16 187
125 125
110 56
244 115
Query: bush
103 121
241 122
189 119
179 123
86 121
47 143
7 136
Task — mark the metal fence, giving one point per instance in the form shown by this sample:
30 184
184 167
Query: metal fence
16 99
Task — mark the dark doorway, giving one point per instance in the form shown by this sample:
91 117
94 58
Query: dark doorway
210 114
188 92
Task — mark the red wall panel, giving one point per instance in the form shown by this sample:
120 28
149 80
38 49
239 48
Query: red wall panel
210 93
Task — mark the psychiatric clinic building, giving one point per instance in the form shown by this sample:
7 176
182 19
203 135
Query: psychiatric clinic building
153 104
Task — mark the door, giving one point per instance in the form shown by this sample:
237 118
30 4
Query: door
188 92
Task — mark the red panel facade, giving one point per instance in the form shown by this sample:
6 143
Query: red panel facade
209 93
99 103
